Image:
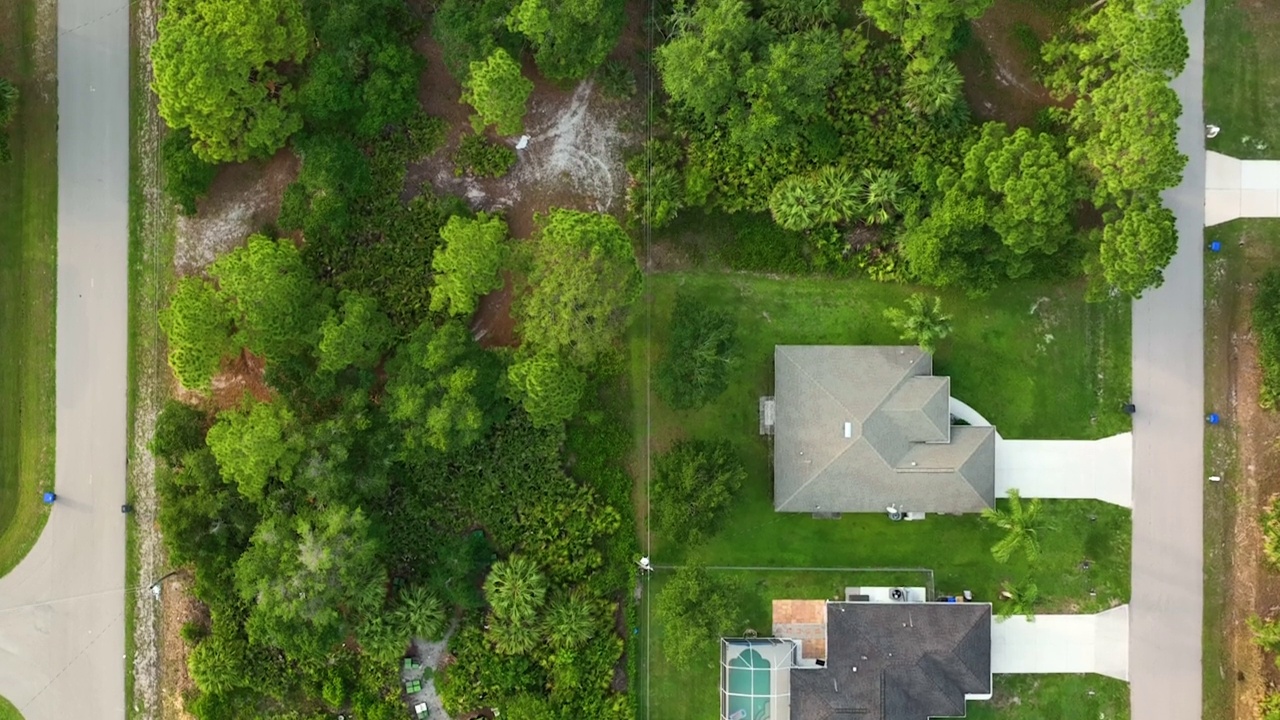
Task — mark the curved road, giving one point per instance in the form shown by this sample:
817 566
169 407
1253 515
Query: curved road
1167 601
62 608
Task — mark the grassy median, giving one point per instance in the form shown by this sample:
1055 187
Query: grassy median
28 278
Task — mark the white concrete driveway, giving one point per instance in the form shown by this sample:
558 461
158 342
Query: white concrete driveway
1073 469
1063 644
1062 469
1240 188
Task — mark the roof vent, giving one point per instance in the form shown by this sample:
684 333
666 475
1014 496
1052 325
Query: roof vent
848 430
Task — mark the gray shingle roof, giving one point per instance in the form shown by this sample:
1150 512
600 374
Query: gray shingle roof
897 661
860 428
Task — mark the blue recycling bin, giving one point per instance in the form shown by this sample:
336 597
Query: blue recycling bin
1213 418
49 498
1215 246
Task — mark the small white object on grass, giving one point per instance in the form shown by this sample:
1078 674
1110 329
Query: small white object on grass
1211 131
523 142
1215 478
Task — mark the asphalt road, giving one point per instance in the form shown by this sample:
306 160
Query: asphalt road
1167 602
62 608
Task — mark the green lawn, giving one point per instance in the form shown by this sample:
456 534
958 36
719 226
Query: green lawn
1054 697
8 711
28 276
1242 88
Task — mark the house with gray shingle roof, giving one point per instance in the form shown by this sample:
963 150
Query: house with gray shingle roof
868 428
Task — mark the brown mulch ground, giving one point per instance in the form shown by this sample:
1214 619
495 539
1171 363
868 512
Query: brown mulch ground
1000 74
180 607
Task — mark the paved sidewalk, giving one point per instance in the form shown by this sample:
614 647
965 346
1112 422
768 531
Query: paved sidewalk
1240 188
1063 644
62 608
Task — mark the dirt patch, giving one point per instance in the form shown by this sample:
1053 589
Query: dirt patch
493 324
244 199
180 607
999 63
1240 579
574 155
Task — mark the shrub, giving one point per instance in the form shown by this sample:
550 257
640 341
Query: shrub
481 157
616 80
187 178
1271 532
1266 322
695 368
657 191
1269 709
694 482
760 246
922 322
179 429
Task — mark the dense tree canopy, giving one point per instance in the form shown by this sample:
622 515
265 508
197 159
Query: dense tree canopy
353 335
217 73
584 278
499 92
302 575
441 390
1137 246
570 38
697 608
256 444
547 388
197 325
275 301
469 263
925 26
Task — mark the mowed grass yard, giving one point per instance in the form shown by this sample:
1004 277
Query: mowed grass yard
1034 358
28 275
1242 85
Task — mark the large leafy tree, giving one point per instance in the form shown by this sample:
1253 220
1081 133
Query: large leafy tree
548 388
217 73
703 348
1136 247
304 575
921 322
197 325
787 88
276 302
583 280
570 38
255 444
1021 523
924 26
1126 136
206 520
354 335
701 67
1029 184
440 389
334 180
694 482
469 263
498 92
697 609
1117 37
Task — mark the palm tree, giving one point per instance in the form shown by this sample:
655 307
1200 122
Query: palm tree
515 589
1019 599
922 322
1021 524
571 620
932 88
796 203
882 191
839 194
420 613
513 638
